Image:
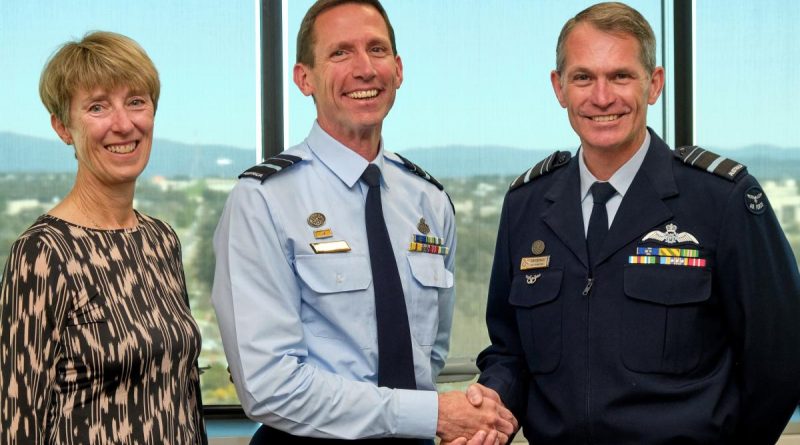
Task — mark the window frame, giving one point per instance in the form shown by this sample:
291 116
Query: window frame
678 102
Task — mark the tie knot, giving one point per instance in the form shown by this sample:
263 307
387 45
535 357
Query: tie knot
602 192
372 175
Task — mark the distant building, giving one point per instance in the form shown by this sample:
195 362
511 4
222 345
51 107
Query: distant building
170 184
484 189
464 207
784 197
17 206
220 185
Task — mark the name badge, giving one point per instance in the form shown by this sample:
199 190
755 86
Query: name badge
330 247
536 262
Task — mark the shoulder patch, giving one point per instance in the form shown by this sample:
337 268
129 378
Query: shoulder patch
543 167
755 201
269 167
703 159
417 170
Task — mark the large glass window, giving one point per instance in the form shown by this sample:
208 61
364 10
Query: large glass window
747 100
476 109
205 134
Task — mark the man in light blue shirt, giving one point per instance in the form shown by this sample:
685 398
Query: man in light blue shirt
293 287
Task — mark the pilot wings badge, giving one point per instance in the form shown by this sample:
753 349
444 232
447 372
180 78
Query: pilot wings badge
671 236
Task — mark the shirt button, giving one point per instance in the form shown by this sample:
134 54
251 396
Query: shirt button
339 278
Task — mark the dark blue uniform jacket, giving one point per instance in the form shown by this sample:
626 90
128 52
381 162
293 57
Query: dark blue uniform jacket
651 354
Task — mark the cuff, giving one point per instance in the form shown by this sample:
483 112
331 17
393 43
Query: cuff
417 413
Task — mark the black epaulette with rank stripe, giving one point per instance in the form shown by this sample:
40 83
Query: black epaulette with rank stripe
417 170
711 162
269 167
545 166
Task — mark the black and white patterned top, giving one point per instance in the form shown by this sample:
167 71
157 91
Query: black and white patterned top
97 343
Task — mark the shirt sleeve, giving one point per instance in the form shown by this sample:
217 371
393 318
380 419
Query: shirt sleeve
447 296
257 300
34 291
758 278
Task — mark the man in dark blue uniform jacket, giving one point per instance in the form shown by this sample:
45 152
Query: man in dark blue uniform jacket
675 327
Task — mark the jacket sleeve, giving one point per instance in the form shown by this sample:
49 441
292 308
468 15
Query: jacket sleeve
502 364
759 282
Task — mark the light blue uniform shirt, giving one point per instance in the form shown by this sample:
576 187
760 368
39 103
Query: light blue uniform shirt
299 328
621 180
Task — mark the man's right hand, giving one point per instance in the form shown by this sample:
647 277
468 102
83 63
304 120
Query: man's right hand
459 418
477 393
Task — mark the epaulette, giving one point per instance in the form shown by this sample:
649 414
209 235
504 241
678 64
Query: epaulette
269 167
711 162
545 166
417 170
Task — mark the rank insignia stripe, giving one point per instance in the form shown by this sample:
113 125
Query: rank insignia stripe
330 247
713 163
539 262
270 167
552 162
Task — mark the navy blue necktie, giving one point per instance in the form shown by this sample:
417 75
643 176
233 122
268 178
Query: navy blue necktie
598 222
395 359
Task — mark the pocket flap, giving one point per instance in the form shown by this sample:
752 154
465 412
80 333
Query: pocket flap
667 285
429 270
326 274
533 289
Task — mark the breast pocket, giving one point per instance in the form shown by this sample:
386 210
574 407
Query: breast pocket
663 318
335 301
535 298
430 276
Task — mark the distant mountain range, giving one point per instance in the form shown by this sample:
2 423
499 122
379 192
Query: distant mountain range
763 161
175 159
170 159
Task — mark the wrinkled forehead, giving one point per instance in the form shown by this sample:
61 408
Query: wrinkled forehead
348 23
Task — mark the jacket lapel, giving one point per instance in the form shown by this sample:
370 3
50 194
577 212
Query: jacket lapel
643 206
564 216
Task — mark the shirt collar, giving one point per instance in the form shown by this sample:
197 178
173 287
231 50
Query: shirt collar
341 160
622 178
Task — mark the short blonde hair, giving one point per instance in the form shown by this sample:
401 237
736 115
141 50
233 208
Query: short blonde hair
613 17
101 59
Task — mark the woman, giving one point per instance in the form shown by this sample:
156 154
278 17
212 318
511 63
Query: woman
97 343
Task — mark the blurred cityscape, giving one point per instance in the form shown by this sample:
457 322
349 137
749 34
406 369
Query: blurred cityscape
192 206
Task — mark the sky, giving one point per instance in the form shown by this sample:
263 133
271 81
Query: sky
476 72
204 51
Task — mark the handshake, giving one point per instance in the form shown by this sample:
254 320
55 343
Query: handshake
475 418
